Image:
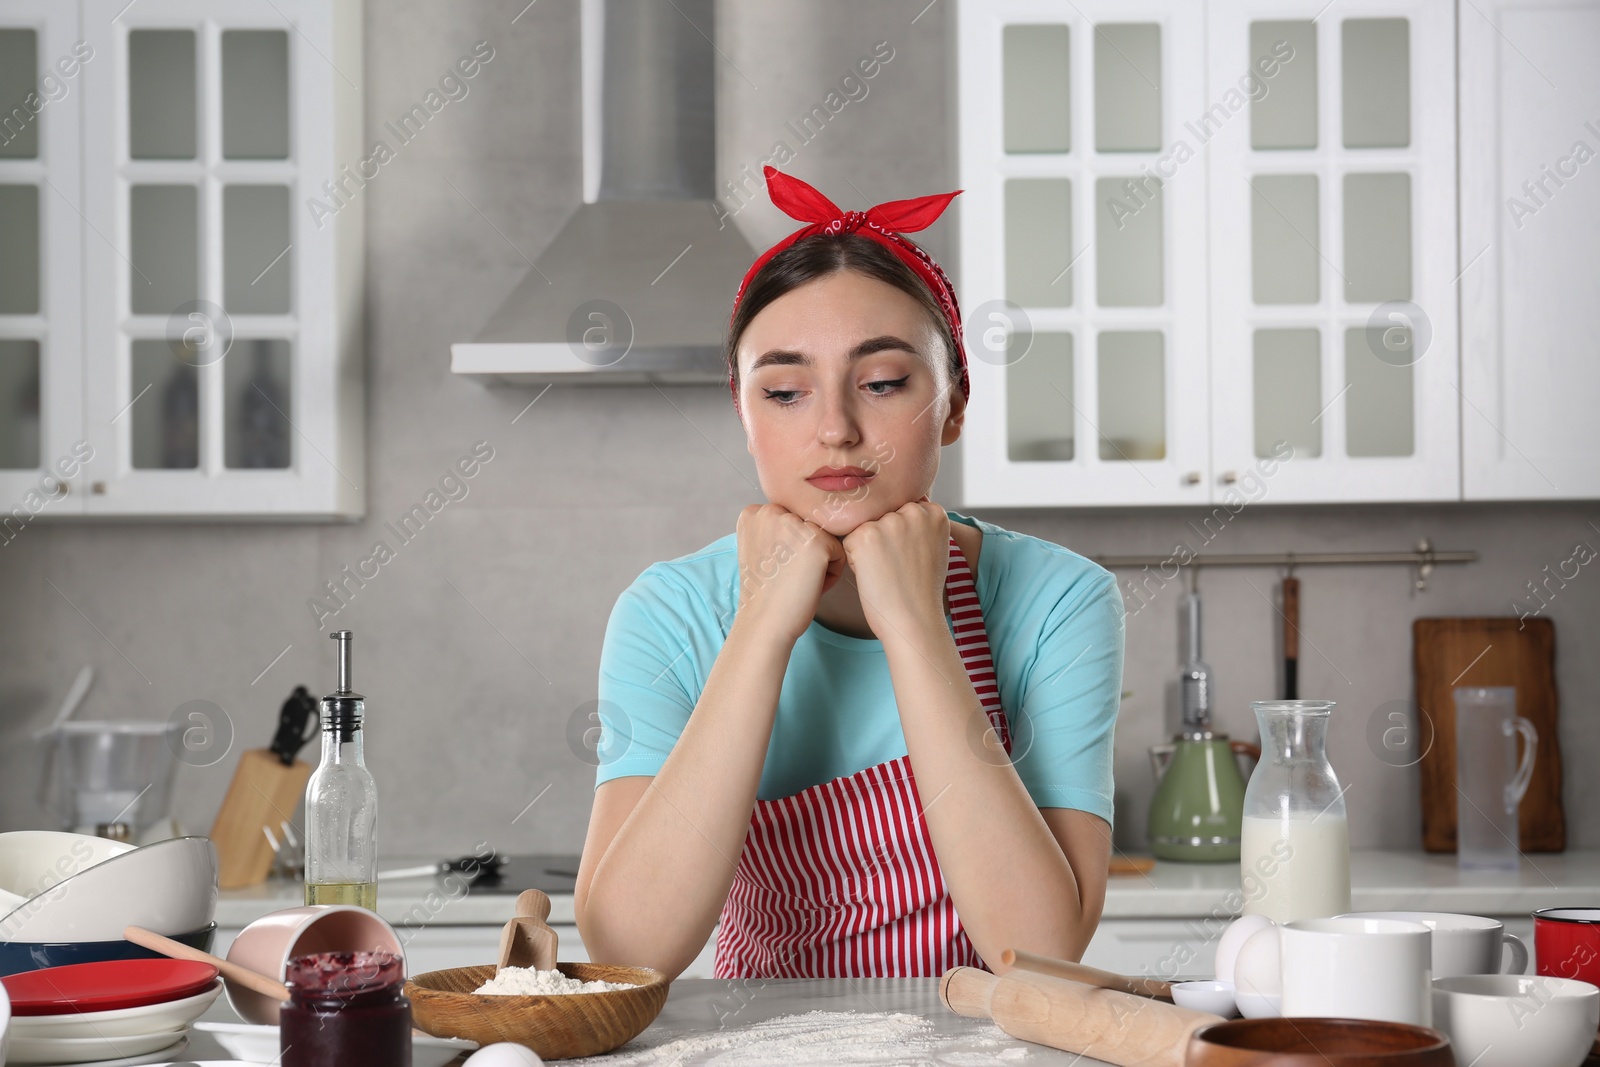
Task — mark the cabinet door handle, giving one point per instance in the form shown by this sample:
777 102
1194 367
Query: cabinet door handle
1229 477
1192 478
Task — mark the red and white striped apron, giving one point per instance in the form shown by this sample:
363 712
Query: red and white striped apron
840 879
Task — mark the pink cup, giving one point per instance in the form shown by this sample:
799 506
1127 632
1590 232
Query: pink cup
267 945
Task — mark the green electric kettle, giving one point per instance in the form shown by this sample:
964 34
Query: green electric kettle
1197 812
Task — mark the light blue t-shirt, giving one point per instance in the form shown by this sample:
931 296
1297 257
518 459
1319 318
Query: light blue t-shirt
1055 626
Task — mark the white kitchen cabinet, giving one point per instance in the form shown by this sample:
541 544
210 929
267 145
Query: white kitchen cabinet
1530 210
1301 275
1082 271
1333 259
199 248
41 412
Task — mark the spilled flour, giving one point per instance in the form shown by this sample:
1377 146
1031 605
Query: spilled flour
823 1039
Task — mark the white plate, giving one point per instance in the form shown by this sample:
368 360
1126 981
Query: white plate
158 1055
121 1022
259 1044
86 1049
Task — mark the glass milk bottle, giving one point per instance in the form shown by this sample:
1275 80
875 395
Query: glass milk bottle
1294 862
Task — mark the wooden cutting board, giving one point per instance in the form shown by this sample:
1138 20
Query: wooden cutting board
1488 652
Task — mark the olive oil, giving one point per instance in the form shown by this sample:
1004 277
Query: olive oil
342 801
361 894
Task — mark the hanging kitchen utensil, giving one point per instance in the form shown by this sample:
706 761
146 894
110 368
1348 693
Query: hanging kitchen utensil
527 940
1196 812
1291 637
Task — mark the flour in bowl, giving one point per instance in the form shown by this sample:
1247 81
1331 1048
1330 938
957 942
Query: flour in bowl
530 981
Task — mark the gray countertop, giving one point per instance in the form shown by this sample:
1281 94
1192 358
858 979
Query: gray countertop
1380 880
721 1013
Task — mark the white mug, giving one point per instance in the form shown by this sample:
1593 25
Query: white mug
1358 968
1463 944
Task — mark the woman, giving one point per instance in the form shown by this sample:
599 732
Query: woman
870 740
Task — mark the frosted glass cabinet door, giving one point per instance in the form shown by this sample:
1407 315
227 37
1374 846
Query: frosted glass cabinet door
41 359
1082 252
1333 317
1530 207
223 355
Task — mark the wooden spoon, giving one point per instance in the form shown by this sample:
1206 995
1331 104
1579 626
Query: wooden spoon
1077 972
527 940
251 980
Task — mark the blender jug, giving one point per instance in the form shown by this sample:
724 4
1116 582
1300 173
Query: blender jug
1490 780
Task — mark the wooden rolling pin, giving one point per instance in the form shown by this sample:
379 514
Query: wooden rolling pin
1074 1017
1077 972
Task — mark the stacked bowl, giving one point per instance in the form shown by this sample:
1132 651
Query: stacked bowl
67 897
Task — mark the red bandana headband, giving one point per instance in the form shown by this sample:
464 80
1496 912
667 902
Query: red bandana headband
884 223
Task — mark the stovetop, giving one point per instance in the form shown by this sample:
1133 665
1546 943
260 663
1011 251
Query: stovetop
550 873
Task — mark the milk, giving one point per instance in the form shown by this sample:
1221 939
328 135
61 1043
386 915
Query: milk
1296 867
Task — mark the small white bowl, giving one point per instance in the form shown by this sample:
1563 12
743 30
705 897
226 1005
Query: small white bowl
260 1044
169 887
1258 1005
1215 997
1517 1020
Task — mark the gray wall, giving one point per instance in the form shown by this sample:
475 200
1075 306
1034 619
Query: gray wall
477 644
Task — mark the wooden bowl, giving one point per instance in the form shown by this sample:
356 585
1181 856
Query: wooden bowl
1313 1042
556 1026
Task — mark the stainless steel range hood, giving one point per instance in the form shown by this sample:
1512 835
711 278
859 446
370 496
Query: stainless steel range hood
638 284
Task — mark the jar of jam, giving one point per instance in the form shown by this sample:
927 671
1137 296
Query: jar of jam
345 1009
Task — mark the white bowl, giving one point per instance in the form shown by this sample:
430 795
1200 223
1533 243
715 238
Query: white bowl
1517 1020
1215 997
119 1022
260 1044
32 861
1258 1005
169 887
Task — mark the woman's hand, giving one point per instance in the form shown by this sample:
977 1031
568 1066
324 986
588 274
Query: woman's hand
899 561
786 563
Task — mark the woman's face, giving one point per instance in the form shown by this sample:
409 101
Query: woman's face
846 371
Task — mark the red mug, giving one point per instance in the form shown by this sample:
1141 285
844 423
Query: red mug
1566 942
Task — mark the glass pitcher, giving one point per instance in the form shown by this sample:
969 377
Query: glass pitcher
1294 862
1490 781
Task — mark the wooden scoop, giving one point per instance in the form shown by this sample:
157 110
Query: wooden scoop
1116 1027
1077 972
527 941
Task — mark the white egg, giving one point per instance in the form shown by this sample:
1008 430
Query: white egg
1234 936
504 1054
1259 965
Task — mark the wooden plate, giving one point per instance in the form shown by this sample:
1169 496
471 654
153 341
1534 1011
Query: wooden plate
556 1026
1314 1042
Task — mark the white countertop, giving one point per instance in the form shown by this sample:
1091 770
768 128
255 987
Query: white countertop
1380 881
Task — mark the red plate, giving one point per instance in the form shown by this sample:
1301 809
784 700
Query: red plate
108 985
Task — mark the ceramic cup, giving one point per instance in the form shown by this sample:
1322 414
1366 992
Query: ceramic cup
1463 944
267 945
1513 1020
1357 968
1566 942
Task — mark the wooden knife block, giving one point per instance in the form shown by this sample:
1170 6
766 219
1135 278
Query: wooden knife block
1452 652
263 794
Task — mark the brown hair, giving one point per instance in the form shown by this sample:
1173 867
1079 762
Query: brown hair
819 256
